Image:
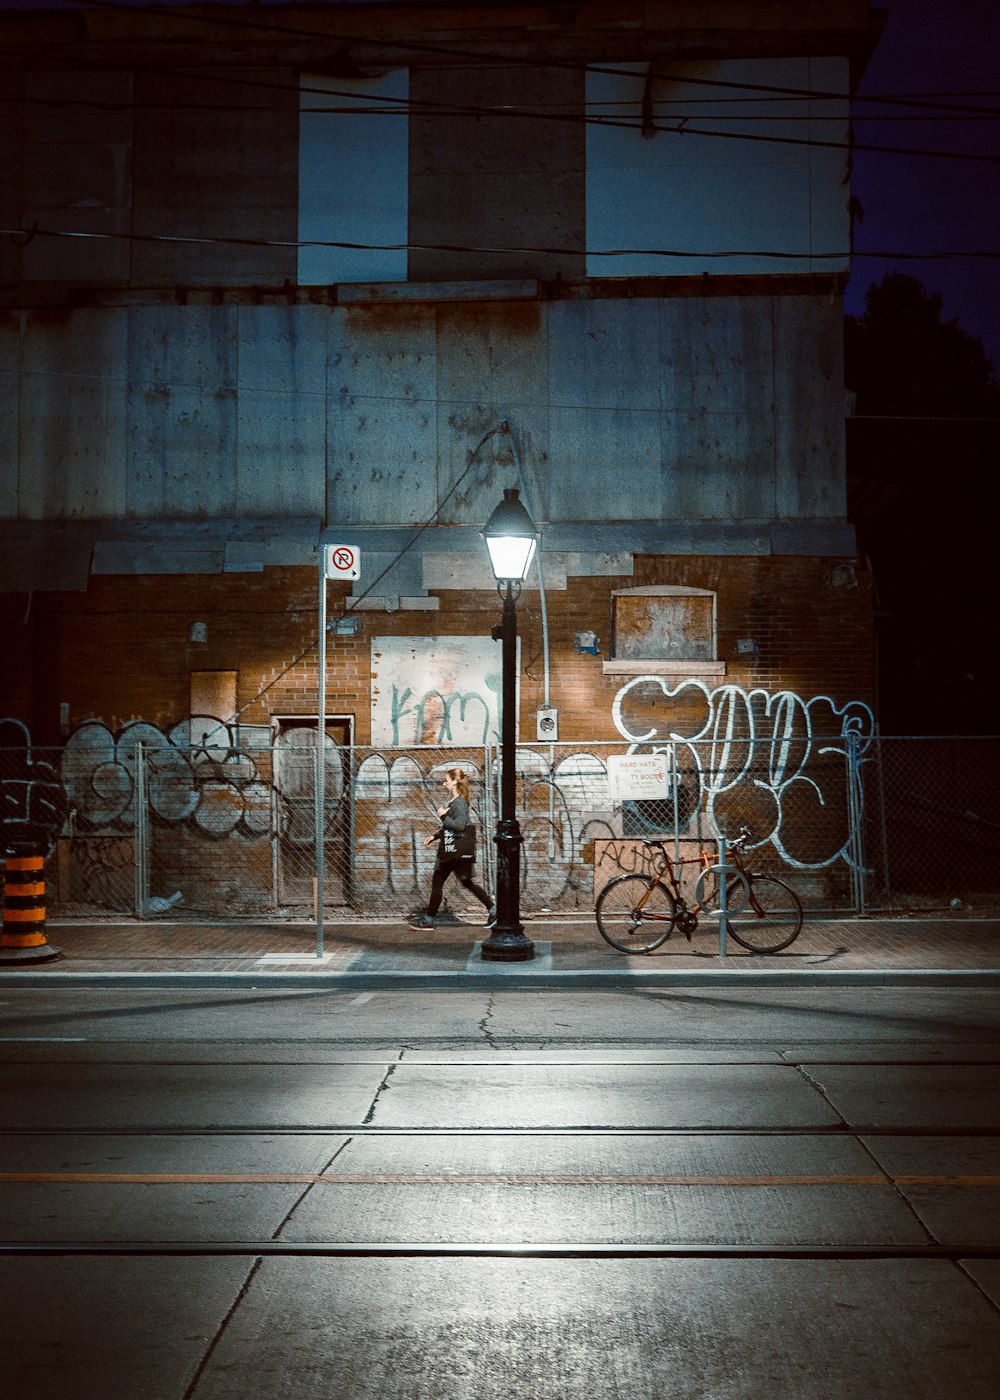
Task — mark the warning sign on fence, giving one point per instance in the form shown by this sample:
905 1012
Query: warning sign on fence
638 777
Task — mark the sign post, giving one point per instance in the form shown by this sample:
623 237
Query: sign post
337 561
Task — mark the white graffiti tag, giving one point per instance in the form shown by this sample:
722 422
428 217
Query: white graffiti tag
776 762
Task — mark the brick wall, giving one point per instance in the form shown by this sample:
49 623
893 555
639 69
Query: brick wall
123 650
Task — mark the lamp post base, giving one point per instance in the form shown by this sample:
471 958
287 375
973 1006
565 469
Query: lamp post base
507 943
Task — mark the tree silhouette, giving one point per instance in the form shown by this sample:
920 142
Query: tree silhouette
901 358
923 445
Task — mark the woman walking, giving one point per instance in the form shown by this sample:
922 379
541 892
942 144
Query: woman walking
451 858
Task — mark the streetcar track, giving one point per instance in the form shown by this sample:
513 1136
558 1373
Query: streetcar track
682 1179
499 1130
485 1250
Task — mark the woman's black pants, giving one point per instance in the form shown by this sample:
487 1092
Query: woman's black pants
461 867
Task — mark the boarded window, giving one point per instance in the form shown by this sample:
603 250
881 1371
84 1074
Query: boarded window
738 157
353 169
213 702
662 623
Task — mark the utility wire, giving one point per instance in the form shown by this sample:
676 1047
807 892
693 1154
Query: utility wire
395 106
23 236
218 19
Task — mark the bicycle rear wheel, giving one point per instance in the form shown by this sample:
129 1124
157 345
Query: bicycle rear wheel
627 927
771 919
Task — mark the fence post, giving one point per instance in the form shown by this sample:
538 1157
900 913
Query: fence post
351 871
675 794
883 824
856 836
141 862
723 856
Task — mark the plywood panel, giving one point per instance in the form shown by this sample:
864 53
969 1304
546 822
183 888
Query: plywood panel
381 416
181 449
282 348
281 410
280 453
190 346
810 472
605 464
72 414
718 438
605 354
492 362
181 441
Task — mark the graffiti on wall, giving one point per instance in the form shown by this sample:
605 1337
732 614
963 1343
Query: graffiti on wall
32 805
779 763
435 690
215 787
773 761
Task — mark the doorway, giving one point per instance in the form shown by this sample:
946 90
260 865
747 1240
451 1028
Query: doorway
295 798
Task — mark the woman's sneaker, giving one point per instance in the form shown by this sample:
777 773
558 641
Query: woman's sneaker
491 917
424 921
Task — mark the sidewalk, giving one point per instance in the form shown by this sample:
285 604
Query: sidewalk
946 949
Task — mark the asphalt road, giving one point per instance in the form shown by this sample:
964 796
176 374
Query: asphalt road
298 1193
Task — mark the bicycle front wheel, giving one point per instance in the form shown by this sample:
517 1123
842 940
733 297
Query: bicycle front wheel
625 925
771 919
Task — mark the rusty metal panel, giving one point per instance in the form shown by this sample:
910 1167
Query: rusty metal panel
281 410
381 415
809 370
181 439
718 391
492 368
72 414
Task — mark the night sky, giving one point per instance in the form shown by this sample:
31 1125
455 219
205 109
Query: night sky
915 204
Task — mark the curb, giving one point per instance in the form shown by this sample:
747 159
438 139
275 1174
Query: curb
514 977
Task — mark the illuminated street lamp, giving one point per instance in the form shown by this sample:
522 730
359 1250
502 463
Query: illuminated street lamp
511 539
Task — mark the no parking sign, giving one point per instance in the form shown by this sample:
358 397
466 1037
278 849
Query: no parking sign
342 561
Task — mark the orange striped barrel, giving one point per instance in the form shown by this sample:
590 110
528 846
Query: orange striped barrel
24 905
24 898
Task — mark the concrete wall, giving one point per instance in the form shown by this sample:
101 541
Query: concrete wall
621 409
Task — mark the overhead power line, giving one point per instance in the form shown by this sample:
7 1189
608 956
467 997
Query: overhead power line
219 18
394 106
23 236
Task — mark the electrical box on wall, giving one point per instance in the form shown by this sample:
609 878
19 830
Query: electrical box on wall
547 725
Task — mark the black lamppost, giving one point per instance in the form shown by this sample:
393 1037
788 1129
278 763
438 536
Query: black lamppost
511 539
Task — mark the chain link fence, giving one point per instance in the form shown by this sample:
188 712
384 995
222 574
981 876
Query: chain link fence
139 825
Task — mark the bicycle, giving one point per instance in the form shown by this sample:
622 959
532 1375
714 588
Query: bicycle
763 914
